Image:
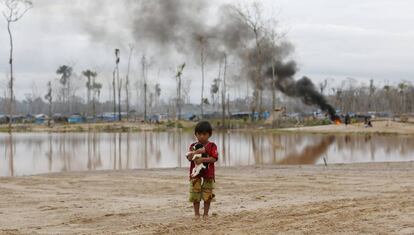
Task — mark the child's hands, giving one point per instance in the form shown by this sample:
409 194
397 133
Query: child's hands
198 161
190 155
198 151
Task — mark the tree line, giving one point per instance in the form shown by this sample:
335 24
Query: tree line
260 59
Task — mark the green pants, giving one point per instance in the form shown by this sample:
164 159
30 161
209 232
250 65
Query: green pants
201 189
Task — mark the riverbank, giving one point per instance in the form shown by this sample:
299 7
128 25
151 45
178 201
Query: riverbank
98 127
379 127
375 198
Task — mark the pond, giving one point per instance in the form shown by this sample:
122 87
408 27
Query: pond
37 153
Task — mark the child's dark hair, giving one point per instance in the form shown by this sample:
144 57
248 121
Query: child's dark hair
203 127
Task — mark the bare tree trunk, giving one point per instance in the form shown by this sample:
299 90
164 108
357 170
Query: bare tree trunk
179 98
93 107
119 82
217 96
258 73
88 89
145 101
179 87
16 12
50 113
202 79
127 82
114 91
228 111
50 99
261 110
93 101
273 89
145 87
127 97
273 93
69 97
11 77
223 94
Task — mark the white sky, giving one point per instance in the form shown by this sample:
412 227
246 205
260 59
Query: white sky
370 39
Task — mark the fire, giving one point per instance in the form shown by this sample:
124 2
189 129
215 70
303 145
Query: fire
336 119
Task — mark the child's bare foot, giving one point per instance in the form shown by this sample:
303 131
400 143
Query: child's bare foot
205 217
196 217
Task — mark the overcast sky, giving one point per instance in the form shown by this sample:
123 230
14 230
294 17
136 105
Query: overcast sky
370 39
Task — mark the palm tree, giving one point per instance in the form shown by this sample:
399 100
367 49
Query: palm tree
66 72
96 87
89 85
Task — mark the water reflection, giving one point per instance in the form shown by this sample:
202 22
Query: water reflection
34 153
9 153
310 154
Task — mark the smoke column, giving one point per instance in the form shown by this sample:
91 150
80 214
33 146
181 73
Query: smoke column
302 88
179 25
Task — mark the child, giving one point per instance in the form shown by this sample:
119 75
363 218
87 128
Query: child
202 185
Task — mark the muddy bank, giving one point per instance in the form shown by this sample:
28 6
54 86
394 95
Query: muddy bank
379 127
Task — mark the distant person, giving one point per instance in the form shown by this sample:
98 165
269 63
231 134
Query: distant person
202 185
367 122
347 119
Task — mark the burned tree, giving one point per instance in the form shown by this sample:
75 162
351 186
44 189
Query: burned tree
223 93
402 87
96 88
131 49
179 98
157 92
252 18
114 92
144 78
322 86
214 90
14 11
274 39
150 104
49 99
119 83
202 41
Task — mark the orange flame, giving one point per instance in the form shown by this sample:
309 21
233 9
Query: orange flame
337 121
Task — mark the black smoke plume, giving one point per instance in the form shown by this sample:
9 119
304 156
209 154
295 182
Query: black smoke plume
167 26
184 26
302 88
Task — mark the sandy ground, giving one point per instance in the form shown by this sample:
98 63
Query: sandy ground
379 127
373 198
